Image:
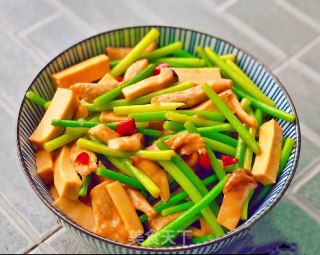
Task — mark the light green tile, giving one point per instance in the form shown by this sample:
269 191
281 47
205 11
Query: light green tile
309 153
309 193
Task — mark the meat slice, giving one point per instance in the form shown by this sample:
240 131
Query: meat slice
240 183
127 143
115 53
83 169
193 96
81 112
154 83
103 133
140 203
109 116
89 91
203 231
231 100
107 221
135 68
160 221
156 174
186 143
192 159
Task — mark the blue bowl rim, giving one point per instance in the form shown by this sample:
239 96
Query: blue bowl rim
228 235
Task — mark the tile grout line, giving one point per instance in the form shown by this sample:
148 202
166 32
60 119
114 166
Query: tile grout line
25 44
34 50
297 13
148 13
252 33
44 248
245 29
313 75
297 54
75 19
39 24
312 170
300 175
304 207
47 237
225 5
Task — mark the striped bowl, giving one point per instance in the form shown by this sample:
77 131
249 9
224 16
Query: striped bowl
30 115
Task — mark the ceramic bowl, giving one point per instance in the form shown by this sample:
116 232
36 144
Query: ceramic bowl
30 115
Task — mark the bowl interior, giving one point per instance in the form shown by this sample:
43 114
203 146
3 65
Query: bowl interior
30 115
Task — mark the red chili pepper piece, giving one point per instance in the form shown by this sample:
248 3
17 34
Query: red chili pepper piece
83 158
158 68
119 79
227 160
127 127
205 161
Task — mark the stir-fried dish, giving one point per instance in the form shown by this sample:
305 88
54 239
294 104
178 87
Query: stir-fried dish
158 147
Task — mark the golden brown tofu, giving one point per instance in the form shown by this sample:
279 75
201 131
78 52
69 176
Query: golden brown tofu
266 164
62 107
103 133
83 169
231 100
53 192
148 85
125 208
197 75
66 179
127 143
193 96
88 70
76 210
45 166
135 68
89 91
107 221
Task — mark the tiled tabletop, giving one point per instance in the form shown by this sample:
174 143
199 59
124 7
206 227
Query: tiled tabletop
284 34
